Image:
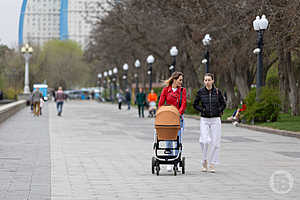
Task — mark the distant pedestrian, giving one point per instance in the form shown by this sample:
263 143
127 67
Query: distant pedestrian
152 98
140 100
210 103
128 98
59 98
120 99
41 104
93 94
36 96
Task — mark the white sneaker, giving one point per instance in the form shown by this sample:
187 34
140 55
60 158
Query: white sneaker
204 166
212 168
169 168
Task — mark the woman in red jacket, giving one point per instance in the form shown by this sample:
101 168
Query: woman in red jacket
174 94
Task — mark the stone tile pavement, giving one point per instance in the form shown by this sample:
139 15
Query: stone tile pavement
98 152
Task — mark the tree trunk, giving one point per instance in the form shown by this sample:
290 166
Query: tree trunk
242 84
282 79
293 90
232 101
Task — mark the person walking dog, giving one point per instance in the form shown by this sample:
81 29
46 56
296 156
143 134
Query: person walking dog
210 103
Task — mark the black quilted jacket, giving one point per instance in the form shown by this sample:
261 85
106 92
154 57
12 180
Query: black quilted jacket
210 103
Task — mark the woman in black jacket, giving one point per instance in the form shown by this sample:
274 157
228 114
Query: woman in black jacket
211 104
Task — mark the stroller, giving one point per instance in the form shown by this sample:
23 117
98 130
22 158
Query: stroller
167 125
152 109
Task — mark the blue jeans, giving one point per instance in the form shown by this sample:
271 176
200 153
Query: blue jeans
169 144
59 106
128 103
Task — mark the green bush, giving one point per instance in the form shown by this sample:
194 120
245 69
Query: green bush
189 104
272 79
11 93
267 109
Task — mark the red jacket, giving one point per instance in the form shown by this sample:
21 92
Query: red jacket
173 98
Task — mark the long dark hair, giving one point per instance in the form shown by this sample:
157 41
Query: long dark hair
173 77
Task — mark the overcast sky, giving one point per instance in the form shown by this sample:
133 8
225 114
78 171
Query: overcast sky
9 21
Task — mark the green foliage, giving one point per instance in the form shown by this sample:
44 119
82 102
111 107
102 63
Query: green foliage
158 90
61 63
272 79
189 105
285 122
10 93
267 109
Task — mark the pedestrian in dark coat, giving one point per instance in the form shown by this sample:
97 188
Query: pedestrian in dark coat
128 98
210 103
140 100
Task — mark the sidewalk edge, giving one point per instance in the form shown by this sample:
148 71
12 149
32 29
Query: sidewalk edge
258 128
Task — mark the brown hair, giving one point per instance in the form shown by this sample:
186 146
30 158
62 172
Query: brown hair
210 75
175 76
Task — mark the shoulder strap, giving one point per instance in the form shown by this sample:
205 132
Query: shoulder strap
180 97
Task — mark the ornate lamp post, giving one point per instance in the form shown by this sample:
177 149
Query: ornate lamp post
259 25
27 53
206 42
99 81
105 84
137 65
150 61
173 53
110 73
125 68
115 71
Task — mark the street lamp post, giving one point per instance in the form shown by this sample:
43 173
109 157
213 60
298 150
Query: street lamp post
110 73
206 41
150 61
173 53
99 81
105 84
125 68
115 71
137 65
259 25
27 53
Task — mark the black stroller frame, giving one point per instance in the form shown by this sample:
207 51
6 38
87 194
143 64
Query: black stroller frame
166 158
167 125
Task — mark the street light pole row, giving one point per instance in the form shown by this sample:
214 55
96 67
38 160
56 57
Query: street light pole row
150 61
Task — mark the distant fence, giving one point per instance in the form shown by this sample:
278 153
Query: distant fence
10 109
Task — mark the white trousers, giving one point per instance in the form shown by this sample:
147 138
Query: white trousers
210 137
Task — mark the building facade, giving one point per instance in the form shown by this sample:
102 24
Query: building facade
44 20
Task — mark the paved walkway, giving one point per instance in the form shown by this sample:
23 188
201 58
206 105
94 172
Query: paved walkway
98 152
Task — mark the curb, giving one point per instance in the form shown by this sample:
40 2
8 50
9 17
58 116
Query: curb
257 128
270 130
8 110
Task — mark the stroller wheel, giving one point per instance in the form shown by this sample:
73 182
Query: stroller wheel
153 164
183 165
157 170
175 170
